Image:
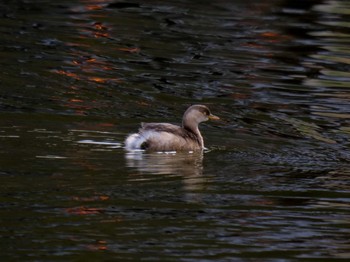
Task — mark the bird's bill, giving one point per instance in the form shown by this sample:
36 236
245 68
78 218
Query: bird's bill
212 117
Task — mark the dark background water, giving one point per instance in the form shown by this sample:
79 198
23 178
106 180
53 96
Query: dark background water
78 76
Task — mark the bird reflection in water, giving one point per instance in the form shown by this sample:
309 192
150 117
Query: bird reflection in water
187 165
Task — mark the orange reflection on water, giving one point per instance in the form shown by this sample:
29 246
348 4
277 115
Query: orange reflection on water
76 100
93 7
252 45
88 69
269 34
100 26
97 30
83 210
90 64
97 79
90 199
129 49
66 73
106 125
100 30
79 106
274 37
103 80
100 245
99 34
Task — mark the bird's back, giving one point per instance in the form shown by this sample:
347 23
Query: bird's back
163 137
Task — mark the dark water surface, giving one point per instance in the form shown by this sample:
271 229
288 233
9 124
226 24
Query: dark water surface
78 76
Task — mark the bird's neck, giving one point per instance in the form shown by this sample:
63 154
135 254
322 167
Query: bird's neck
195 130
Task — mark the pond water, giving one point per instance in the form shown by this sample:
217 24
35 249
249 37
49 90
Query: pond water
78 76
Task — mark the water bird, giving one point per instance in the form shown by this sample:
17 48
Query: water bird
169 137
